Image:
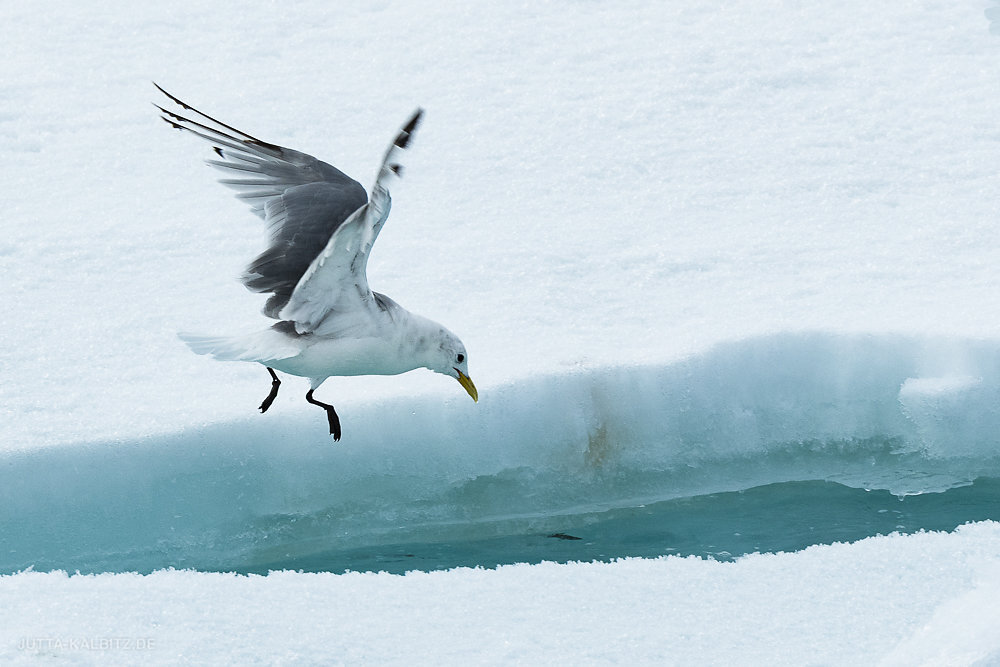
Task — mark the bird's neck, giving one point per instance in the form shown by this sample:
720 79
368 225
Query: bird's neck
422 336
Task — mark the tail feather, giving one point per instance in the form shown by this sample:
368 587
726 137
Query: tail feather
267 345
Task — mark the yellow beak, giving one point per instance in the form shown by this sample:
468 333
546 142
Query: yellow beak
466 383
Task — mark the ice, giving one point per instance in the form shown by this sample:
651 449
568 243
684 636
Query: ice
691 247
760 411
954 415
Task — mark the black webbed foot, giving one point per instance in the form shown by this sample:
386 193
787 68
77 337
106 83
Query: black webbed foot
331 415
275 383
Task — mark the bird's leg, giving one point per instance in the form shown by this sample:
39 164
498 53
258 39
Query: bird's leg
331 414
275 383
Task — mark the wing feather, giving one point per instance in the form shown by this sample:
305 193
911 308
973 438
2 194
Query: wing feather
302 200
336 282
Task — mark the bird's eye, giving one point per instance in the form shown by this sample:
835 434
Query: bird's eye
460 358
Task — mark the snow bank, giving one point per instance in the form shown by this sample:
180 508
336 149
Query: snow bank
866 411
919 599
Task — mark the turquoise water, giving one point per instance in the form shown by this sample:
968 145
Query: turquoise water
463 527
240 499
786 516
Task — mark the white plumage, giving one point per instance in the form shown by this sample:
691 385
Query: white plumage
322 226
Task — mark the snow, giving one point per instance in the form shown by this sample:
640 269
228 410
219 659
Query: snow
690 248
923 599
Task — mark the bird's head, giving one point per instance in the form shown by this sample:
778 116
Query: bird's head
451 359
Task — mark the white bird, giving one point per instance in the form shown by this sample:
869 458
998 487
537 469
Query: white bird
322 227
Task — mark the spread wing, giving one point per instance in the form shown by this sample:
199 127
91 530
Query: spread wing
333 297
302 200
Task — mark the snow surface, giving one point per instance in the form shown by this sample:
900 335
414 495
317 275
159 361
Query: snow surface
674 237
930 598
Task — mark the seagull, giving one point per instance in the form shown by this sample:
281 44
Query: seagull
321 225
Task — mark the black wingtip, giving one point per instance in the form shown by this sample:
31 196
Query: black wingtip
414 121
172 123
241 135
403 139
175 100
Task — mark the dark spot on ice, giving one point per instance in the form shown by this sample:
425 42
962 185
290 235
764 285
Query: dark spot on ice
219 151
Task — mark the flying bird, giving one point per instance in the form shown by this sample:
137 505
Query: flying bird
322 225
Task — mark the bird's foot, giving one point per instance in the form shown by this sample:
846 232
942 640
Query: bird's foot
331 415
275 383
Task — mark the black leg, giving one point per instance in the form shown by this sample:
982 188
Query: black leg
331 414
275 383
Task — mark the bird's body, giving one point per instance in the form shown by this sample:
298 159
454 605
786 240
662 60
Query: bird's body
388 345
371 355
322 226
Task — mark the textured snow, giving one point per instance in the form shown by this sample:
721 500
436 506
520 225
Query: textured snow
592 185
929 599
672 236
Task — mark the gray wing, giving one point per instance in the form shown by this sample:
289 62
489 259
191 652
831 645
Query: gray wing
302 200
333 297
